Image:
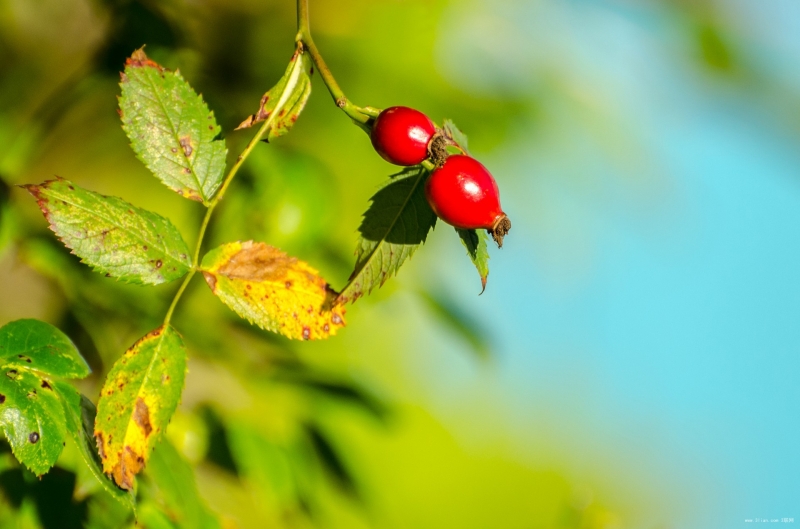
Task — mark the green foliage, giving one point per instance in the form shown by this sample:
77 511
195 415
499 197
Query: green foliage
152 517
282 455
476 243
173 480
80 415
137 401
284 101
113 236
31 414
32 419
171 129
266 466
395 225
35 345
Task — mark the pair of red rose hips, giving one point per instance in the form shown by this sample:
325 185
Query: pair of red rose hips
460 190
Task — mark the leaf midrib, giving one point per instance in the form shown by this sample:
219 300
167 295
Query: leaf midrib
358 273
175 132
155 245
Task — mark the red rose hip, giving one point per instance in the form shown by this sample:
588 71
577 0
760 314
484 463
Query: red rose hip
463 193
401 135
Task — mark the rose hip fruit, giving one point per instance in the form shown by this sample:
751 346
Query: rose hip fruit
464 194
401 135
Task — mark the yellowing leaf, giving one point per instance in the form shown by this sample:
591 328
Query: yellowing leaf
284 101
137 401
276 292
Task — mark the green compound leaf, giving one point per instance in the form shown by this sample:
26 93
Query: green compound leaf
137 401
171 129
395 225
476 243
112 236
453 133
80 415
284 101
277 292
34 344
176 488
32 418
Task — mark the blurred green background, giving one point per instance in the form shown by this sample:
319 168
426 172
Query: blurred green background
633 360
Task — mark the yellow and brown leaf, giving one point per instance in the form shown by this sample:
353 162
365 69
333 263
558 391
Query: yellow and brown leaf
137 401
277 292
284 102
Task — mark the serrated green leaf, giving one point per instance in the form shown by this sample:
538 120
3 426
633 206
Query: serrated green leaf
284 101
137 401
80 415
453 133
395 225
171 129
277 292
177 490
476 243
31 418
34 344
112 236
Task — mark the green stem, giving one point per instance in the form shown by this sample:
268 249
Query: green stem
356 113
178 295
211 206
360 116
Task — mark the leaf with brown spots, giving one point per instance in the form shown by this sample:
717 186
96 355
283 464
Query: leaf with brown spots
276 292
31 414
137 401
112 236
284 101
80 414
34 344
32 419
171 129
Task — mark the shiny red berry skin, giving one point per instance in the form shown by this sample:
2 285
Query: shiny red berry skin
464 194
401 135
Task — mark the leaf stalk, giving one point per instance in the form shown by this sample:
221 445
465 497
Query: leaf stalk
211 206
359 115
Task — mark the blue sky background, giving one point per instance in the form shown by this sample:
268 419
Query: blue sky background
645 306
